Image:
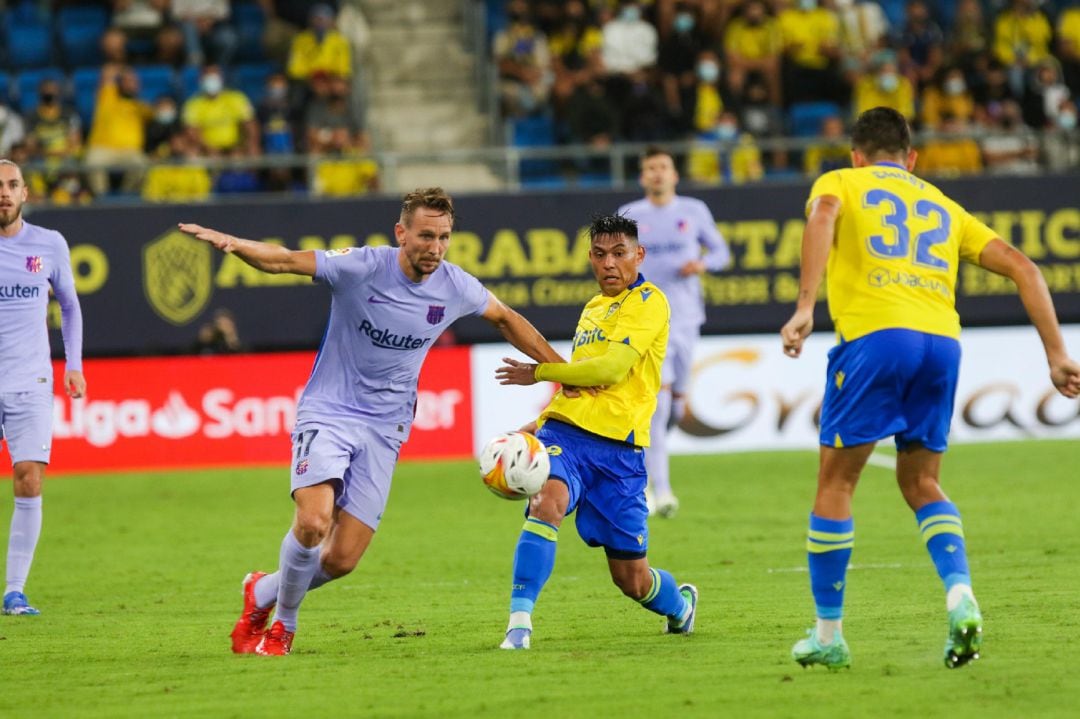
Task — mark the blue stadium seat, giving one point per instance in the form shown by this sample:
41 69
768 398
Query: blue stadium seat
535 131
189 81
29 45
250 22
26 86
250 79
155 81
79 29
805 118
84 87
5 88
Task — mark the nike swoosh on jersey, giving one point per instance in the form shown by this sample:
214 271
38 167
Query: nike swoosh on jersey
376 301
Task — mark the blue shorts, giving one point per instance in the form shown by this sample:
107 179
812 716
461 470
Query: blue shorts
606 479
891 382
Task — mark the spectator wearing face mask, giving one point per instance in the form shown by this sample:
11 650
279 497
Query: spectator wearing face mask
677 63
118 131
524 62
53 130
921 45
320 48
811 38
208 36
1043 94
630 43
1061 148
950 95
1009 147
738 160
220 121
885 87
162 126
707 103
752 46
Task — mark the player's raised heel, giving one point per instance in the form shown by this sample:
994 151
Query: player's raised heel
15 603
686 624
965 634
277 642
667 505
833 656
251 626
517 638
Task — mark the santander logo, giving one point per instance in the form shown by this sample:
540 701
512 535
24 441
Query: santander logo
219 413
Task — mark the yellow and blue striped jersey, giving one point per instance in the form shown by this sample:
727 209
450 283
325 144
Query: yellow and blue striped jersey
895 251
639 317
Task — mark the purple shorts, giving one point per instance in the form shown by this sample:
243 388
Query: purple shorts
26 424
354 457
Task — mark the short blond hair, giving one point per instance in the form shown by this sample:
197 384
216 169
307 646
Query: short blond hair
431 198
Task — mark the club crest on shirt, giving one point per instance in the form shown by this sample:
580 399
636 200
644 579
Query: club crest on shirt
612 309
682 225
435 314
301 467
34 263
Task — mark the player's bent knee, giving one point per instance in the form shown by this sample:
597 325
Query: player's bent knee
312 527
549 506
634 584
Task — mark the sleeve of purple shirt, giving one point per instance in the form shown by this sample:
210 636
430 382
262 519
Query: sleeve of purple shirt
71 326
717 255
332 265
474 296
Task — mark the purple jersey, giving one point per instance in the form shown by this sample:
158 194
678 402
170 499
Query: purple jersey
31 261
672 235
381 327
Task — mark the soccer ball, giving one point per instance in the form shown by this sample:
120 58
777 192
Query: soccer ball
514 465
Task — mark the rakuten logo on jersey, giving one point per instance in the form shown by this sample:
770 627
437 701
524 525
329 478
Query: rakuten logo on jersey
102 422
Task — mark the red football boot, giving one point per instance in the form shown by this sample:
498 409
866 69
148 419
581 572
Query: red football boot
251 626
277 642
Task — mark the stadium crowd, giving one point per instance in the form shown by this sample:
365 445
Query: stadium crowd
168 89
977 78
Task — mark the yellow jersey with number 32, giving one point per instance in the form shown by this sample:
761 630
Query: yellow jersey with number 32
895 251
639 316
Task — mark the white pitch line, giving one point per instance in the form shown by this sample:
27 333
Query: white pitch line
882 460
786 570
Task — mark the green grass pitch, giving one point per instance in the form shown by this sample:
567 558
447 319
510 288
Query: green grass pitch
138 577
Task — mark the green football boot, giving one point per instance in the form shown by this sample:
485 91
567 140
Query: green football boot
832 656
965 634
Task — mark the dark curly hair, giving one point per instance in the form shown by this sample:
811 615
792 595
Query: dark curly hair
613 225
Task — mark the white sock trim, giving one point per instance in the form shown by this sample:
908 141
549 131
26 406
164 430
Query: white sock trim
519 620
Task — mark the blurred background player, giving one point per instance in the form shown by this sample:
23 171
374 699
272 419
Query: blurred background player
681 242
896 242
33 260
389 305
595 439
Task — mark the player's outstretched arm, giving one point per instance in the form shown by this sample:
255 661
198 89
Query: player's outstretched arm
519 332
260 255
817 239
1005 260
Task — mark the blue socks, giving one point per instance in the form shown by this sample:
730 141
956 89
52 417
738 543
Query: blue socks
943 533
828 545
533 561
664 597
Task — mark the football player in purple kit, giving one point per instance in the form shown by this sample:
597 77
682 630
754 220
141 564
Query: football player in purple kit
32 259
681 242
388 306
